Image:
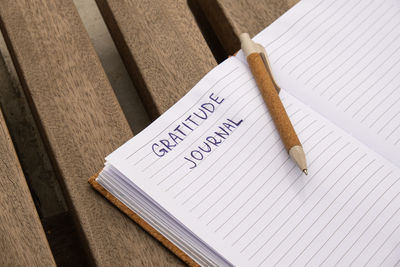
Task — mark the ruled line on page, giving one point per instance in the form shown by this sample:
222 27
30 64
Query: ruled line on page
369 209
347 201
364 80
221 169
338 43
315 145
371 239
281 45
352 180
379 104
264 213
308 197
331 39
355 64
297 21
384 113
346 13
351 44
390 253
387 122
320 233
340 209
392 132
315 205
234 228
247 169
246 201
272 204
373 97
250 183
397 262
273 219
339 195
398 140
228 176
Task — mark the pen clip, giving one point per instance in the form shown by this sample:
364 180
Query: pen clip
264 57
258 48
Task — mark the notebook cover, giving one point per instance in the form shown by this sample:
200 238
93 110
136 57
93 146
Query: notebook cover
157 235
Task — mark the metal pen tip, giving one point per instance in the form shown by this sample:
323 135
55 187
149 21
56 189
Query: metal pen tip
305 171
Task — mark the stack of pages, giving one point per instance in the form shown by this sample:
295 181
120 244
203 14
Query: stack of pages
212 175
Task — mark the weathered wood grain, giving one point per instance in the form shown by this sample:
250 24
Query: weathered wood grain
22 239
162 48
230 18
80 121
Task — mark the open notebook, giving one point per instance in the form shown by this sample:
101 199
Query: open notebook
212 175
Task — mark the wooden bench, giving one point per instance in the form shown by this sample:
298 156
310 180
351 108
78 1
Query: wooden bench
161 46
23 241
230 18
80 119
75 107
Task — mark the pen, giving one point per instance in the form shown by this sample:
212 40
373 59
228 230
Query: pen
259 66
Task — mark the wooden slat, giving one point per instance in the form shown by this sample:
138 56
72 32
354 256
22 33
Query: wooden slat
22 239
230 18
162 48
80 120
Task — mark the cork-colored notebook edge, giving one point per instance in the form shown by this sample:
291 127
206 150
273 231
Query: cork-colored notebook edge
157 235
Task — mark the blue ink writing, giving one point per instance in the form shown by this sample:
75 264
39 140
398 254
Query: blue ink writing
211 142
189 124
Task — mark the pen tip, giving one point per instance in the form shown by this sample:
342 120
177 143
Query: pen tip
305 171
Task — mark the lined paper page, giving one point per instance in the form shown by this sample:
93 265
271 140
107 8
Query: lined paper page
343 59
246 199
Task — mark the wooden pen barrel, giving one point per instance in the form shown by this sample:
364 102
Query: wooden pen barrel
274 104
